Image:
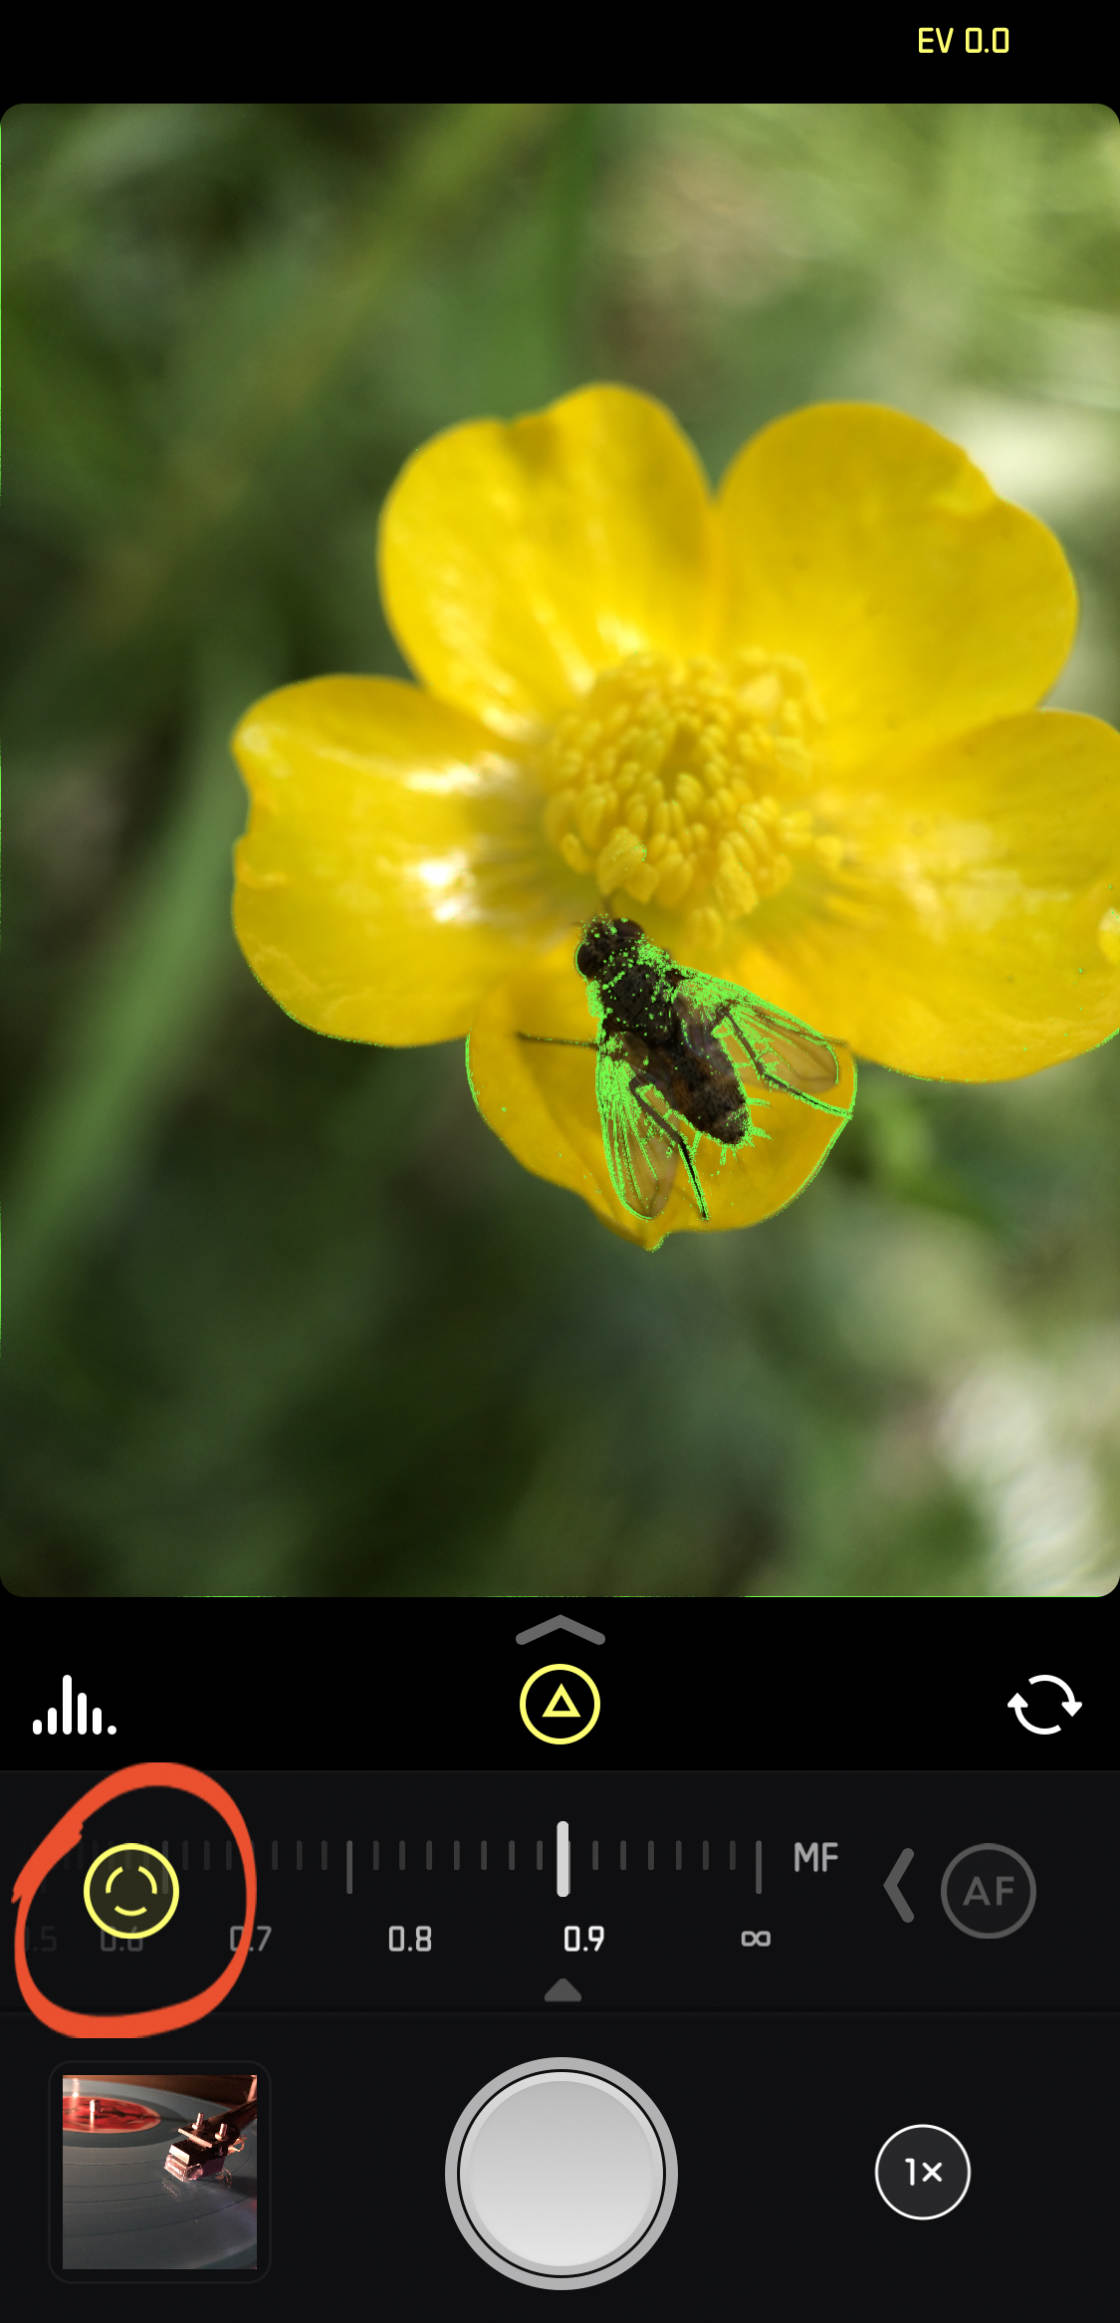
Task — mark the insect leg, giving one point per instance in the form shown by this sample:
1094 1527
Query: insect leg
773 1080
667 1130
554 1041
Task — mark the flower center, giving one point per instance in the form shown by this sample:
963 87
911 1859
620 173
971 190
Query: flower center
683 782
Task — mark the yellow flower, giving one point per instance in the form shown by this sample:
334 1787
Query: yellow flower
790 729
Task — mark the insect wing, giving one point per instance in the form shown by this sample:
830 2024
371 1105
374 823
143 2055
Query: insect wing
754 1035
641 1160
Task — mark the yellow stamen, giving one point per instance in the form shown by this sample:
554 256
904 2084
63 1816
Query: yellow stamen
619 859
686 783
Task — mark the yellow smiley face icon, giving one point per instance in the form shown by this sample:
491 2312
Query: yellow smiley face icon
127 1897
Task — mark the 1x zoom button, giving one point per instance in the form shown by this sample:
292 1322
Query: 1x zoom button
988 1890
922 2171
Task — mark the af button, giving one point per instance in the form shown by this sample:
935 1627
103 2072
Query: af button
988 1890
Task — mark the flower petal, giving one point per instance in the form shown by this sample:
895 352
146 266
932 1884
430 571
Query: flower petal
869 546
967 934
520 557
391 869
540 1100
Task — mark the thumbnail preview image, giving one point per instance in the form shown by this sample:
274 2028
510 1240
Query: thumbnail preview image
159 2171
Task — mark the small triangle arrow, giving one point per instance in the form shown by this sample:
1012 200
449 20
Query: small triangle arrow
561 1705
563 1991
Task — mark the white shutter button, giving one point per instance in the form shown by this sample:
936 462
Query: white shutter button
561 2173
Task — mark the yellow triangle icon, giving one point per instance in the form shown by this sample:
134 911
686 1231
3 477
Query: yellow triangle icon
561 1705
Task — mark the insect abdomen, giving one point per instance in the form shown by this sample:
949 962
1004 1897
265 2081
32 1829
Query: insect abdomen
718 1111
713 1104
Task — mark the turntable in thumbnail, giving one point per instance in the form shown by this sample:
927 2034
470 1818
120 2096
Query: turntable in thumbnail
159 2172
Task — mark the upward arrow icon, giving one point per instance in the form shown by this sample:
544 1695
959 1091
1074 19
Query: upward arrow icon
561 1621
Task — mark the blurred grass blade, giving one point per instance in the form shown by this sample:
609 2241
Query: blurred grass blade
148 998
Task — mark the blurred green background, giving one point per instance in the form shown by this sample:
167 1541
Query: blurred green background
282 1315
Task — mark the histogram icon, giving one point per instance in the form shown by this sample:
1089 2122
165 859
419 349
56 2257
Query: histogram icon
72 1719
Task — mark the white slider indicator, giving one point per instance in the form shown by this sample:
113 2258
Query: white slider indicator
563 1861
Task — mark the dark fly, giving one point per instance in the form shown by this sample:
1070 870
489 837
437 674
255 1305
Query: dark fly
680 1051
